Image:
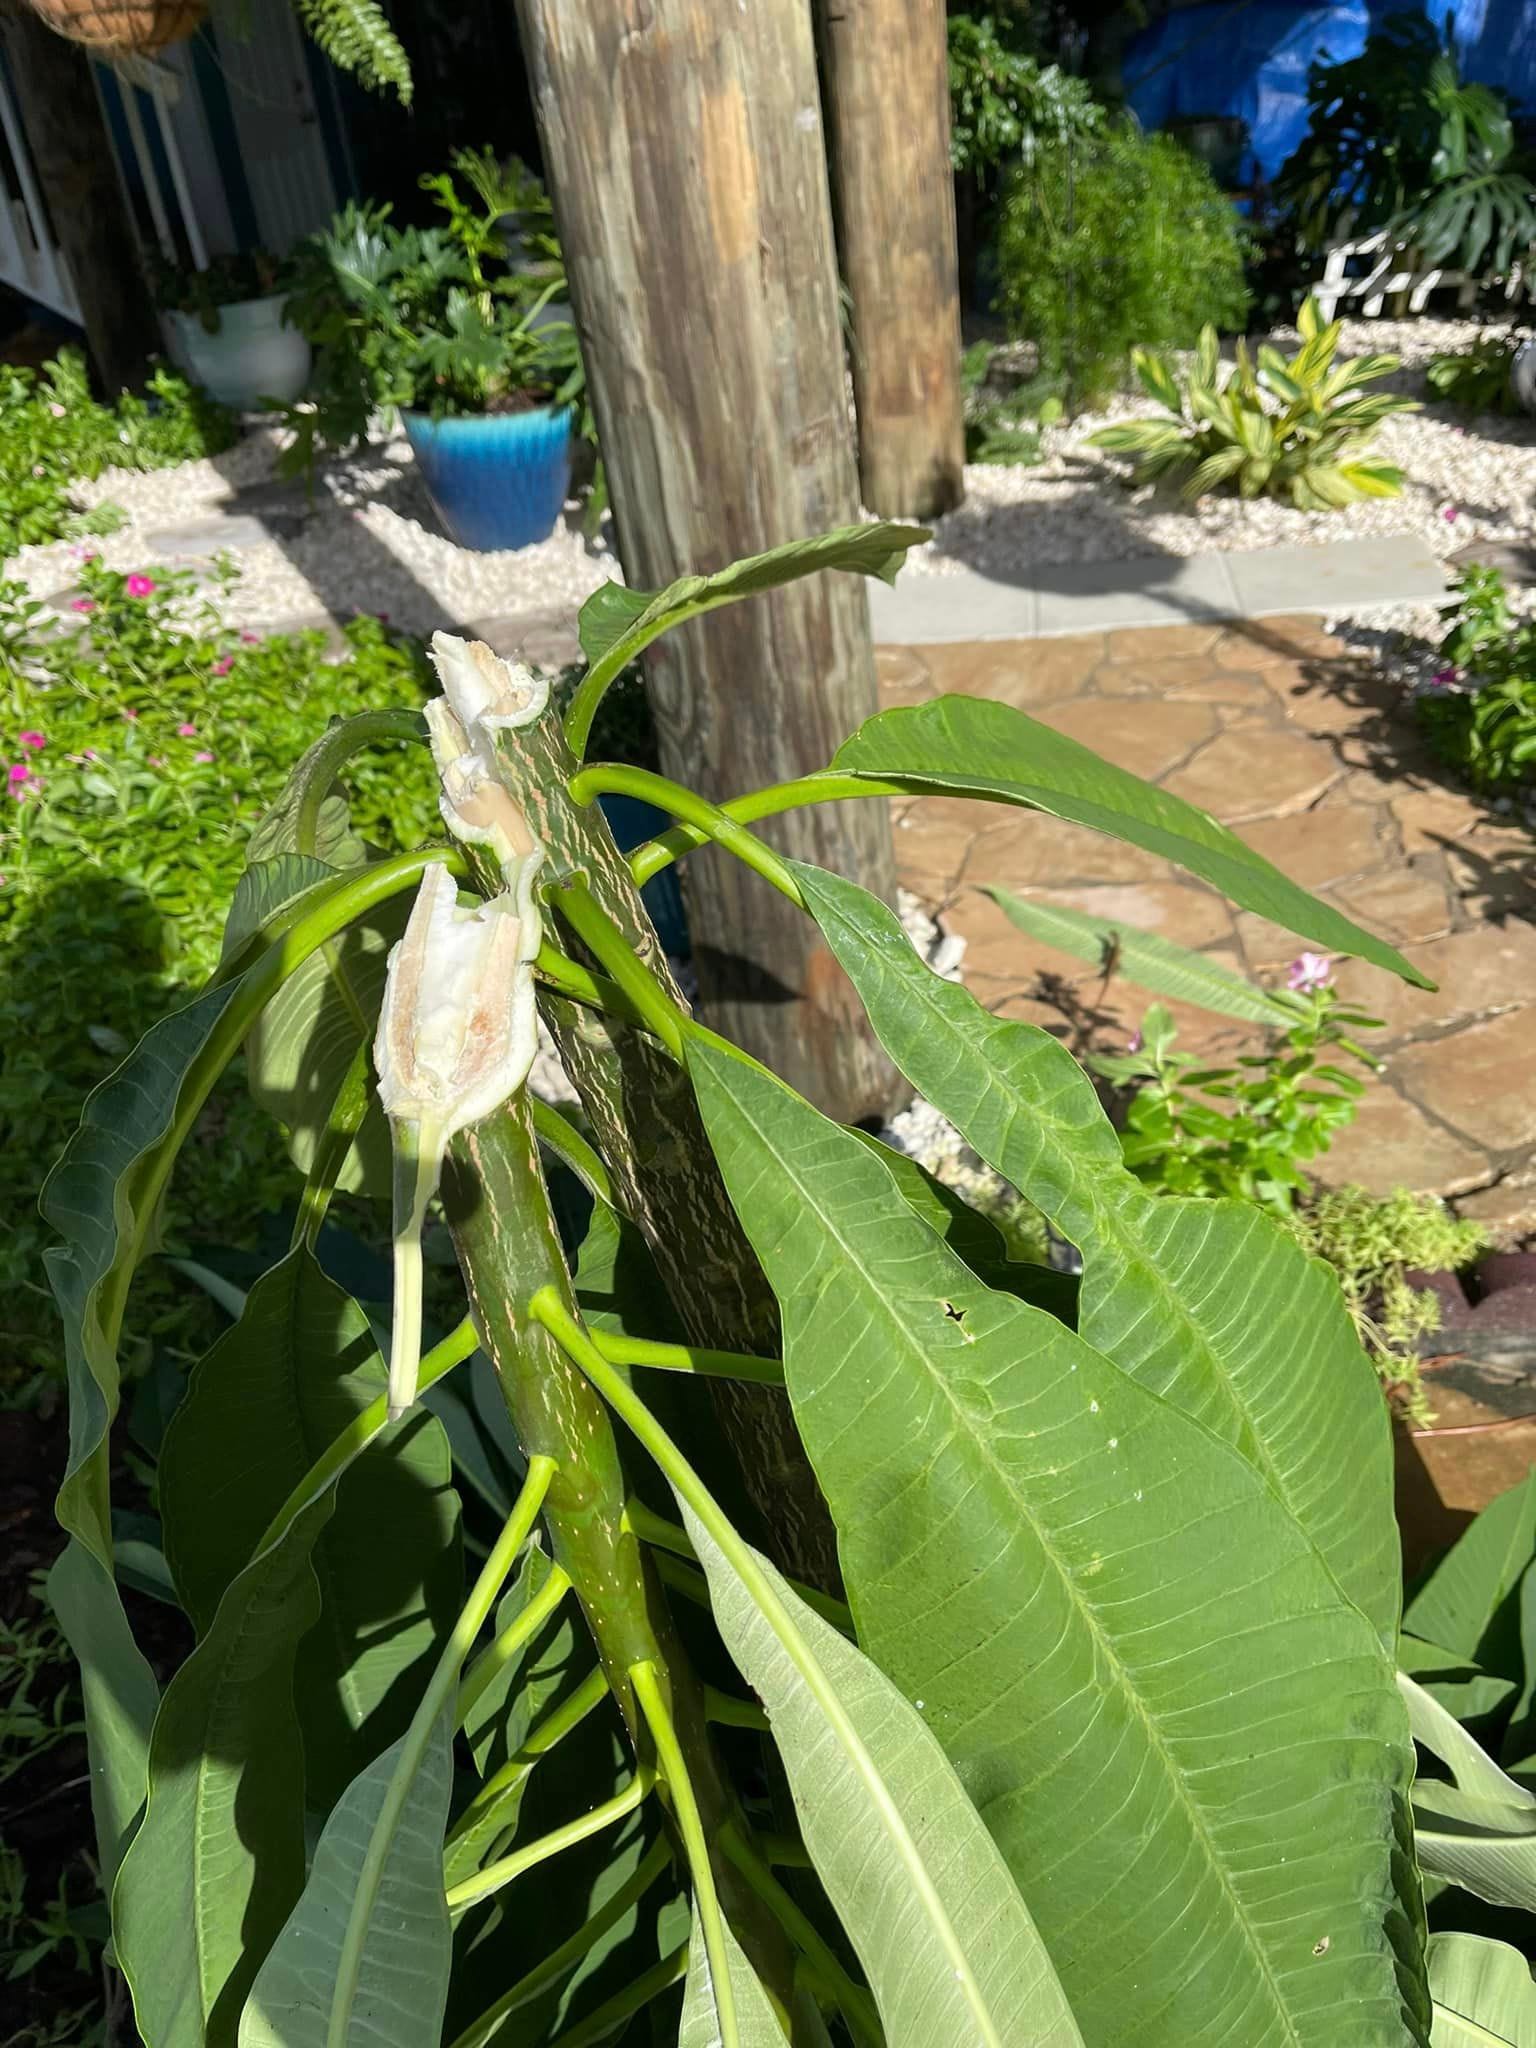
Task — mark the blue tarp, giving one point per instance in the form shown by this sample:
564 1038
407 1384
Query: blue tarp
1252 61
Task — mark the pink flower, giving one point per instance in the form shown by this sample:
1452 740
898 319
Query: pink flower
32 739
18 773
88 554
83 604
58 411
202 754
1443 676
250 639
90 754
154 760
186 732
130 715
223 666
1133 1043
1309 971
140 586
1450 514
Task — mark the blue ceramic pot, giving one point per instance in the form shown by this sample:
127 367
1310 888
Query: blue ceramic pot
497 481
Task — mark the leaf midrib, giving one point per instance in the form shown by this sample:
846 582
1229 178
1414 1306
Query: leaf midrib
1084 1608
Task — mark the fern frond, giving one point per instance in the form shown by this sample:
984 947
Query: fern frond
357 37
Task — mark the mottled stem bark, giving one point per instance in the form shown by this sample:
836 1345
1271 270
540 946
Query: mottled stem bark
646 1123
687 167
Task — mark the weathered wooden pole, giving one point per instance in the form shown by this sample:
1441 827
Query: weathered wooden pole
77 173
886 68
686 163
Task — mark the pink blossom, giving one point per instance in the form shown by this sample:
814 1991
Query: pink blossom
57 410
251 639
1309 971
19 773
32 739
140 586
202 754
88 554
186 732
83 604
154 760
1450 514
1134 1042
90 754
223 666
130 714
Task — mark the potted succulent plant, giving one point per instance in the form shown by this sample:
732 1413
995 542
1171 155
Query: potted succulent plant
229 330
447 324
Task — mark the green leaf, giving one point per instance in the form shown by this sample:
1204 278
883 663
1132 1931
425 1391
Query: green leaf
1478 1831
617 623
978 747
304 1041
946 1942
272 1394
973 1238
699 2026
1455 1681
1183 1738
1145 959
1518 1748
266 887
1157 379
120 1693
1470 1602
219 1857
357 37
92 1200
402 1985
1483 1993
1210 1304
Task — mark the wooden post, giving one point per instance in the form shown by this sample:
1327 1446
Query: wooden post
686 164
886 67
77 171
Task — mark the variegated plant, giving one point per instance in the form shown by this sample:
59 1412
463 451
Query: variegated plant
535 1714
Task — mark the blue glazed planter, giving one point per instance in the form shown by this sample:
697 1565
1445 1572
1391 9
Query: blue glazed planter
497 481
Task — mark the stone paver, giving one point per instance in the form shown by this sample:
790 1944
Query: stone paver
1284 734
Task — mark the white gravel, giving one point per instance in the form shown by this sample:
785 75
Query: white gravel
371 544
1464 479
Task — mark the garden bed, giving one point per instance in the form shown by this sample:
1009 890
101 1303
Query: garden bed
1466 479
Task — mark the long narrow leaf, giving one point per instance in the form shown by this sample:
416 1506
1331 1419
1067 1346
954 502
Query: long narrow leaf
1210 1304
976 747
1483 1993
1182 1736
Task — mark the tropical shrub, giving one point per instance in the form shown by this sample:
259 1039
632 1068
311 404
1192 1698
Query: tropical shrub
143 742
1398 141
1107 1742
1289 427
442 319
1478 711
1113 240
1004 103
55 434
1477 377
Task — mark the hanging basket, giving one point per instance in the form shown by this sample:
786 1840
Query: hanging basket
121 28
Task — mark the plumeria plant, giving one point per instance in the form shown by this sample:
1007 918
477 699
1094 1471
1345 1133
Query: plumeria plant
847 1636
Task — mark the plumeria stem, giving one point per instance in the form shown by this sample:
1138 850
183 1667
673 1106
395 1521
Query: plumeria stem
496 1875
685 1811
554 1966
832 786
500 1653
705 818
695 1358
612 951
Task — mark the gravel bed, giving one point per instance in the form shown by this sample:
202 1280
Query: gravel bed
1464 480
369 543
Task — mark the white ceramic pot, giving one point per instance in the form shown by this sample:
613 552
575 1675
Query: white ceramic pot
252 357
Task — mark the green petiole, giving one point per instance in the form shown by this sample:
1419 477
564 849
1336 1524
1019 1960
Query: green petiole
833 785
496 1875
694 1358
701 816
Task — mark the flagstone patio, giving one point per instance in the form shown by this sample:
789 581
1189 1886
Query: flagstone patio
1291 738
